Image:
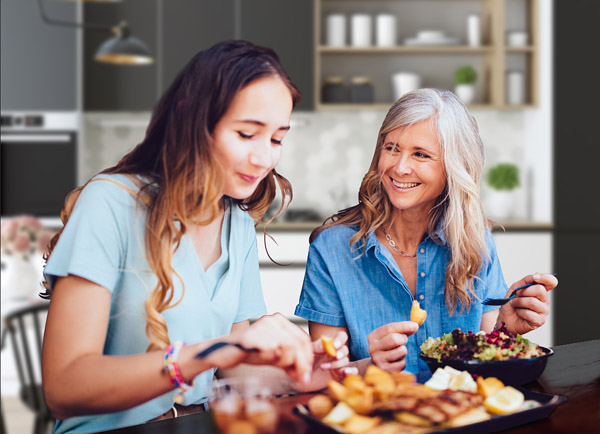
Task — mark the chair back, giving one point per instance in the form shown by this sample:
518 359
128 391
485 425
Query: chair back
25 329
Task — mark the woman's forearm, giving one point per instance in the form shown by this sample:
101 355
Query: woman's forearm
93 384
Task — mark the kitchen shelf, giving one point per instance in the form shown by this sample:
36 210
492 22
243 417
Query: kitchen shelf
405 49
436 64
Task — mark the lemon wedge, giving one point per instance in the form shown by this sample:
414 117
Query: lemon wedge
506 400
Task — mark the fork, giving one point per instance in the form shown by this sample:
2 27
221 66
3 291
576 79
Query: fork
502 301
218 345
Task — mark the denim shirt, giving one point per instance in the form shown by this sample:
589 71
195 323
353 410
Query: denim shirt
342 288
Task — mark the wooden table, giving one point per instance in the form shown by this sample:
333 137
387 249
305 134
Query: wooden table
573 372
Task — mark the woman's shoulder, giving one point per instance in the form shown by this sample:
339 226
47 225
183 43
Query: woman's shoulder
110 191
337 234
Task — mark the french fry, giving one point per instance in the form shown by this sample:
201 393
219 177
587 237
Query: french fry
328 346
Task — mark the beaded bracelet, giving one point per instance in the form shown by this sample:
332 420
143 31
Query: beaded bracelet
171 367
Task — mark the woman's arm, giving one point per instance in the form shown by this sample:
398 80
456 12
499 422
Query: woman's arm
78 379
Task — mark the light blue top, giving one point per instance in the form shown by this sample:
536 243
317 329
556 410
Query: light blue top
103 242
368 292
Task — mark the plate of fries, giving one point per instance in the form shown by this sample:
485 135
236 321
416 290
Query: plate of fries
395 403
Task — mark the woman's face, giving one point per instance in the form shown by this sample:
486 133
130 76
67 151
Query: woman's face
412 168
247 139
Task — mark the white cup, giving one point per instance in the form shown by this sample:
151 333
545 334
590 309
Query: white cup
517 39
515 87
386 30
336 30
361 30
405 82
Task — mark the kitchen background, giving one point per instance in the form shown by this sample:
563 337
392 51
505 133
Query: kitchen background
534 98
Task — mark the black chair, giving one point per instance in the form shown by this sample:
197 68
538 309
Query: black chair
21 325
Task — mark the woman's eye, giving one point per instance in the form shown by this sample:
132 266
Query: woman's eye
421 155
245 136
276 142
391 148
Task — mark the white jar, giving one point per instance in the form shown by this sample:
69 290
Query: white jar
361 30
386 30
403 82
336 30
473 30
515 87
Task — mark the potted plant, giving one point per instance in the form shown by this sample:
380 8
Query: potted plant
465 78
503 180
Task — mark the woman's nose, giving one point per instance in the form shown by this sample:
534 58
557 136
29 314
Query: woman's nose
403 165
260 155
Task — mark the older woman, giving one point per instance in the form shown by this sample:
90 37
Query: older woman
417 233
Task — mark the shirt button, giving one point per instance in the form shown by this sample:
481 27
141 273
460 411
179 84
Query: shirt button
422 250
421 297
422 274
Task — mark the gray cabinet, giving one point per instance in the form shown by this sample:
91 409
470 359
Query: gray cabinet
287 27
189 27
175 30
38 60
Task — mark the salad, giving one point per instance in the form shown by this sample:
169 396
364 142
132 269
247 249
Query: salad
480 346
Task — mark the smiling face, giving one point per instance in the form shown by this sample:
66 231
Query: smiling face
412 168
247 139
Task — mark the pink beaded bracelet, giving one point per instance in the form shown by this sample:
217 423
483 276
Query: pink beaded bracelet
171 367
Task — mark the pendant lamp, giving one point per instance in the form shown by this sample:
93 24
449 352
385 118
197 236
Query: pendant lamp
120 49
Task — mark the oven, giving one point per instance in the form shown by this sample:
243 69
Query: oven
38 162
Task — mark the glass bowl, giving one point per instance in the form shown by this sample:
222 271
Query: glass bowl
243 405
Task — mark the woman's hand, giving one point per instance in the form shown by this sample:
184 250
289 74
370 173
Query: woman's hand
327 367
279 343
387 344
530 308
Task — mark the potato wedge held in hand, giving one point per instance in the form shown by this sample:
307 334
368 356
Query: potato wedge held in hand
417 314
328 346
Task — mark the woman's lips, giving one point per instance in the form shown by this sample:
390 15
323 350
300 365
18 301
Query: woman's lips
248 178
404 186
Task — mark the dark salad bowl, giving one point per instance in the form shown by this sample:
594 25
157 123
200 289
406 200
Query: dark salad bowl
514 372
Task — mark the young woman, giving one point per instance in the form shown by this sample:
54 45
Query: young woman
417 233
161 249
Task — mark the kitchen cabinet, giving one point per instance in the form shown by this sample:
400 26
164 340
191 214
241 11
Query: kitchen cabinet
286 26
39 60
435 64
175 30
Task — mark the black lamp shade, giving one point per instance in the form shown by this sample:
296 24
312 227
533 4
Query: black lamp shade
124 49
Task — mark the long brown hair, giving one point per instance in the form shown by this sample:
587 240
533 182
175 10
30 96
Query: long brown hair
184 180
458 208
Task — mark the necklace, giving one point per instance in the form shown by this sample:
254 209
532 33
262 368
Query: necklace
392 244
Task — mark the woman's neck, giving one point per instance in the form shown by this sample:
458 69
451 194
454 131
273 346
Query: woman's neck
407 230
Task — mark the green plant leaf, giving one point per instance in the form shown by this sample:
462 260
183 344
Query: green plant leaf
503 176
465 75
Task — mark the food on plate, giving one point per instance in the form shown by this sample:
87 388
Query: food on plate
328 346
506 400
453 379
340 414
488 386
381 402
320 405
481 346
417 314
